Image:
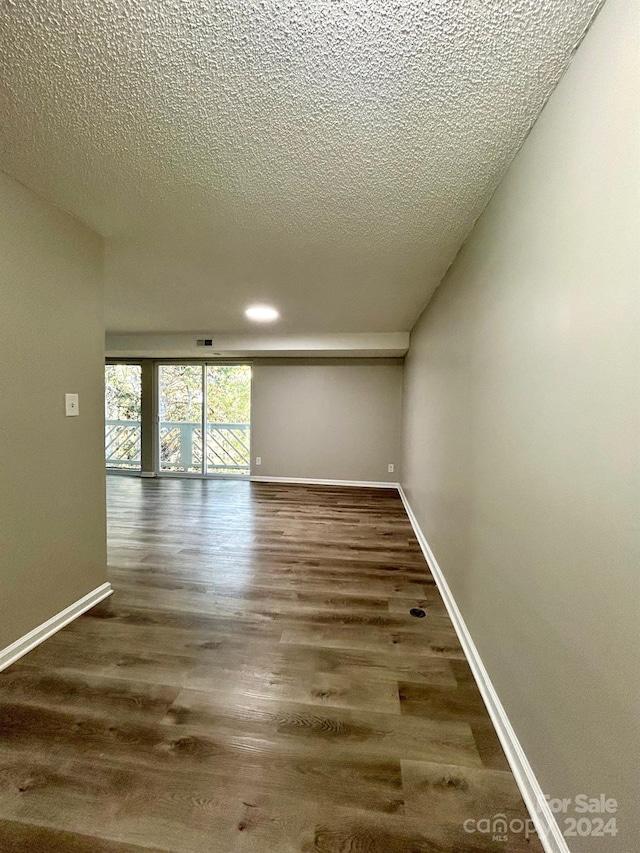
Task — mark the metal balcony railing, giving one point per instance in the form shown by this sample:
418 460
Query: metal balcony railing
227 446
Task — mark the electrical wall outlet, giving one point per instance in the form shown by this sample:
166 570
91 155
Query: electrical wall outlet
71 405
258 460
390 468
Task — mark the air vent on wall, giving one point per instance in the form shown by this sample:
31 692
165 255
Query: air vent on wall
205 342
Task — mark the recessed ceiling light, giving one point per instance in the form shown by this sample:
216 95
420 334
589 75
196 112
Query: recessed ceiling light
261 313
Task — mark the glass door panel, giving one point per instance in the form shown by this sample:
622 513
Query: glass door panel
181 411
228 410
123 392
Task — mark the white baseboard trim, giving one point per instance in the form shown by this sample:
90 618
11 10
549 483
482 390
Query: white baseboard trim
545 823
312 482
25 644
149 474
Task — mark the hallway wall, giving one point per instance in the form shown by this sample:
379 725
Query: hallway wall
521 425
52 504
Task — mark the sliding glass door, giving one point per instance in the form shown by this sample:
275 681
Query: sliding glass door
228 410
122 438
181 413
204 400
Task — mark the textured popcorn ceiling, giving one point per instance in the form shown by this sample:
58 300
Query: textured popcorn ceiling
326 156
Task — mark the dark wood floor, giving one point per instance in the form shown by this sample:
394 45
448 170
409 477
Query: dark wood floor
255 684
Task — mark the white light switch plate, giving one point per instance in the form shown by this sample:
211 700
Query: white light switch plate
258 460
71 405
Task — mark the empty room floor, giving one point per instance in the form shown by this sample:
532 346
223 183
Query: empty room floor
256 683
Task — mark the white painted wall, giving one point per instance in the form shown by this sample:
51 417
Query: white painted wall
522 424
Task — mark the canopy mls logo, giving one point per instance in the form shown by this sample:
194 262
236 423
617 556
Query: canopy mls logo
499 827
598 825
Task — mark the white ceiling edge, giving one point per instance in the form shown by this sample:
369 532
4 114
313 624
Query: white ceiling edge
361 345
